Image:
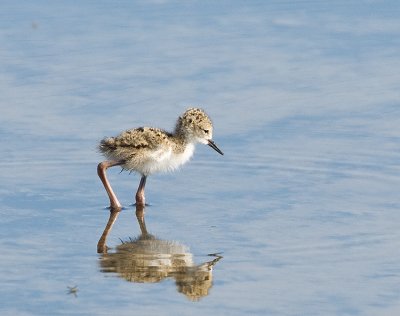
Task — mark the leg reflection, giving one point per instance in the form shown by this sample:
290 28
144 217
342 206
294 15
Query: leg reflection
140 218
101 245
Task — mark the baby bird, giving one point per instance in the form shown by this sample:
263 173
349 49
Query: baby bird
148 150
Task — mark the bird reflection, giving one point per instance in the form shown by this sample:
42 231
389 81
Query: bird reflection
148 259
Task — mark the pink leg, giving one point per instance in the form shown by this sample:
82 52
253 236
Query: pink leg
101 171
140 200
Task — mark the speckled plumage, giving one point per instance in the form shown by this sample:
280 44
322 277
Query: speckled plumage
148 150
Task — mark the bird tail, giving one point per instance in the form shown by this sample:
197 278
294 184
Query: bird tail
107 145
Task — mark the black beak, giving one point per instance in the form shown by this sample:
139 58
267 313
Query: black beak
213 146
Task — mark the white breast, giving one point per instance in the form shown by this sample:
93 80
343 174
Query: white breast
163 160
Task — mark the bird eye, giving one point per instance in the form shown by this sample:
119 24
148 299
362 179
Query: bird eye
206 131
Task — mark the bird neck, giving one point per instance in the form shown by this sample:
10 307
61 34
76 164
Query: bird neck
181 137
180 132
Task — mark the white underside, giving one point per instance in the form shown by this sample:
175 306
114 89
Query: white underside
166 160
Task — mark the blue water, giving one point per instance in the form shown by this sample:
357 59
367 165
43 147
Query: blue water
303 206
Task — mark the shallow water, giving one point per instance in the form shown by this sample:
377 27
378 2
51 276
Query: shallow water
299 217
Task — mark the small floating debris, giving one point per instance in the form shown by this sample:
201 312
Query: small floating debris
73 290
